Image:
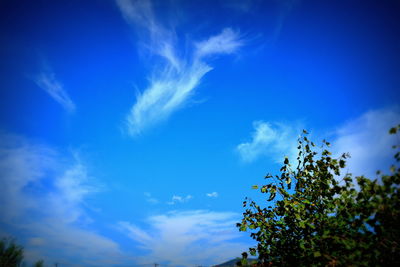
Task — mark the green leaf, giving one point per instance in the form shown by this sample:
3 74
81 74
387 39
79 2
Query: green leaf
317 254
342 163
263 189
392 168
254 187
272 196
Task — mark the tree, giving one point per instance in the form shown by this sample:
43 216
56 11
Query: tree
324 221
39 263
12 255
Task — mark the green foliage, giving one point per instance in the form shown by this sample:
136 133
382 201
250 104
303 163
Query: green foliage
11 255
39 263
323 221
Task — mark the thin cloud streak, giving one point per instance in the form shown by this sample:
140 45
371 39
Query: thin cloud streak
213 194
179 199
188 238
174 77
47 81
150 198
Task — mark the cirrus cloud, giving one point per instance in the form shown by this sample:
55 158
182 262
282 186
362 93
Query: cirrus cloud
175 77
47 81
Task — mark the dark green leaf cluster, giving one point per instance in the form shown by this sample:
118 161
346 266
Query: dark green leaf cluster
12 255
324 221
39 263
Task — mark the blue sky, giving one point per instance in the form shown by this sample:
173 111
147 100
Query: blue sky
131 131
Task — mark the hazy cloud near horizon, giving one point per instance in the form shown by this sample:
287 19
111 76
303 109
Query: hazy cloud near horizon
186 238
43 194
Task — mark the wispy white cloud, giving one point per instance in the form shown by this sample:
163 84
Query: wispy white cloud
135 233
213 194
150 198
367 140
174 76
285 7
227 42
179 199
270 140
188 238
43 195
48 82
